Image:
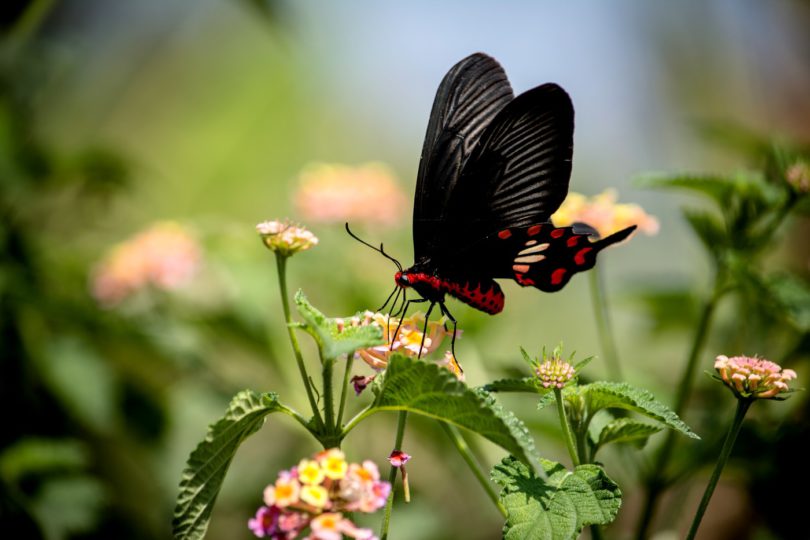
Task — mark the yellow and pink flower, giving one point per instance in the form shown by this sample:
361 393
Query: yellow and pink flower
752 377
165 256
333 193
285 238
603 213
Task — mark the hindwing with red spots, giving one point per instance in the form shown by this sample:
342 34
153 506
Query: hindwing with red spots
545 257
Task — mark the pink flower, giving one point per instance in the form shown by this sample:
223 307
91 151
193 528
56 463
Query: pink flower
165 256
398 458
603 214
285 238
332 193
360 383
555 372
752 377
798 176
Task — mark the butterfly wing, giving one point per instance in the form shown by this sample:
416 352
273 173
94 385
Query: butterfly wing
469 97
518 173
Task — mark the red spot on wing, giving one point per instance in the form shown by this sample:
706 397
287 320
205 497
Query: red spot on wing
533 230
557 276
504 234
523 280
573 241
579 258
556 233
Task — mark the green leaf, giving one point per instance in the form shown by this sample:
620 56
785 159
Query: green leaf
626 430
709 229
331 341
612 395
792 295
557 507
208 463
432 391
716 187
531 385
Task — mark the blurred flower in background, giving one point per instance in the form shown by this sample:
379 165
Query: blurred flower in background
334 193
165 256
603 213
798 176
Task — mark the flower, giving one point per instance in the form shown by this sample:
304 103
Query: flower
603 214
407 336
555 372
398 458
798 176
752 377
449 362
315 493
165 256
360 383
333 193
285 238
333 463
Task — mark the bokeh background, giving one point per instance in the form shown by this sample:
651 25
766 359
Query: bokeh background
205 113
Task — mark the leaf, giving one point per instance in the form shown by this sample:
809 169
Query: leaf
792 295
709 229
432 391
626 430
716 187
206 467
557 507
531 385
607 395
331 341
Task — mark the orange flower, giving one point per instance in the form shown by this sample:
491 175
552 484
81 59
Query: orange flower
165 256
333 193
603 214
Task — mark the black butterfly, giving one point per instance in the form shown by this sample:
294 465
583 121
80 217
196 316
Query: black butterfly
494 168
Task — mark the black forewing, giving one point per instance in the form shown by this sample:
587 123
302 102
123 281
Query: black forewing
469 97
516 176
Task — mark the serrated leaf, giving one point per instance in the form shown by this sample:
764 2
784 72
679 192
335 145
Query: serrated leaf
332 342
556 507
427 389
206 467
525 384
612 395
626 430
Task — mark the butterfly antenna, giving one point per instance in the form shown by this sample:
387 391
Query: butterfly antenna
377 249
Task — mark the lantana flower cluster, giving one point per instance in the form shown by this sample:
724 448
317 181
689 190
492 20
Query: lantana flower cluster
407 340
165 256
285 238
554 372
603 213
753 378
335 193
315 494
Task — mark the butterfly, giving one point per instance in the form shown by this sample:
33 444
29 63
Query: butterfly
494 168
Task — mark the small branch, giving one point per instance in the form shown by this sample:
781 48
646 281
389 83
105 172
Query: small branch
392 476
569 438
604 328
344 391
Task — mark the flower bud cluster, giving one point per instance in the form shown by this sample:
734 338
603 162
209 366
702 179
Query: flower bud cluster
753 378
285 238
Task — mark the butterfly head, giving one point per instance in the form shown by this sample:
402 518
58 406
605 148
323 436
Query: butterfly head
402 279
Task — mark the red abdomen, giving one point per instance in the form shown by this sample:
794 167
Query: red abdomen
485 296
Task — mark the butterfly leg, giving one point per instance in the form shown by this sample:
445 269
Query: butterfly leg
404 311
425 329
446 313
382 307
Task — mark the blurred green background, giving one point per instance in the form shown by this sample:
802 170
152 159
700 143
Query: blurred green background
114 115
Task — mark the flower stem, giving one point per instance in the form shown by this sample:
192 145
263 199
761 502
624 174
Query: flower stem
328 394
604 328
656 483
569 438
343 392
731 437
464 449
281 263
392 476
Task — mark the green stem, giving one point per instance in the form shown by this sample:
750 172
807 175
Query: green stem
392 476
295 414
281 263
30 21
569 438
656 484
357 418
328 394
731 437
464 449
344 391
604 328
